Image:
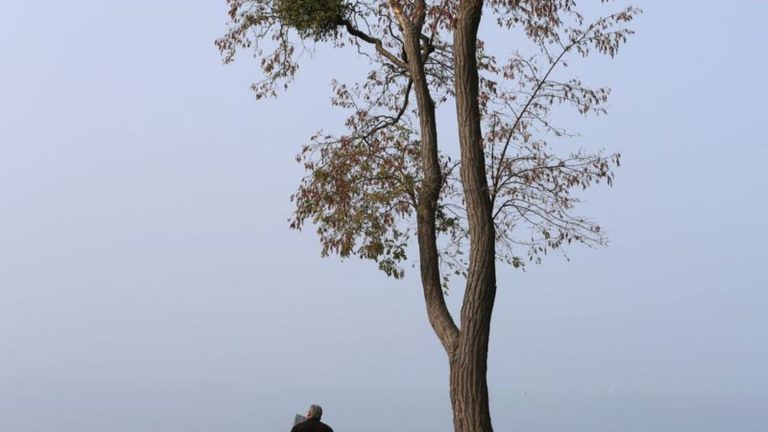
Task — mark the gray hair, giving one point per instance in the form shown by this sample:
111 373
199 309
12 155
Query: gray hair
315 411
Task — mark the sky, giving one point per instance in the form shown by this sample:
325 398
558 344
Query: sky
149 281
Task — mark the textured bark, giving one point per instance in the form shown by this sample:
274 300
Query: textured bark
467 348
437 311
469 388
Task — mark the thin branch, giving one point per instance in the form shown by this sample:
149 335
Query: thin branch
354 31
520 115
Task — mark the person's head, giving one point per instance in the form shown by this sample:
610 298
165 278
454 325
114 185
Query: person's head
315 412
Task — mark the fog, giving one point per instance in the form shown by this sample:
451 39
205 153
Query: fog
149 281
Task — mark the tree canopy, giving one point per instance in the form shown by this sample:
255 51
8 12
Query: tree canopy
362 187
510 194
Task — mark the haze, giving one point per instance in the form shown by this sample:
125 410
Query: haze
149 281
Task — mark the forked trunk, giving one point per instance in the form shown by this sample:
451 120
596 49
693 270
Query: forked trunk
467 348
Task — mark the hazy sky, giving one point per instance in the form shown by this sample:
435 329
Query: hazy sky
149 281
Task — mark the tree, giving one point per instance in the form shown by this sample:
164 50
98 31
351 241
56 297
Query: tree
509 195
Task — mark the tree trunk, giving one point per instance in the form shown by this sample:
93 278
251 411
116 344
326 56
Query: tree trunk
469 393
469 363
467 348
429 193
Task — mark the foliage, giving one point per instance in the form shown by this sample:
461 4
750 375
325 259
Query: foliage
315 19
510 196
363 188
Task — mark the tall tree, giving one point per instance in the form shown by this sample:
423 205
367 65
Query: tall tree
508 197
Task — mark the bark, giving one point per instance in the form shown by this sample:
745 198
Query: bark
437 311
467 348
469 387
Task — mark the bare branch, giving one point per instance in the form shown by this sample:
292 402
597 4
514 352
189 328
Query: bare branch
373 41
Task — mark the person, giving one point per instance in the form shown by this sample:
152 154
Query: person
312 423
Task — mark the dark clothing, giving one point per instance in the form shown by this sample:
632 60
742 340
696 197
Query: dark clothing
312 425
